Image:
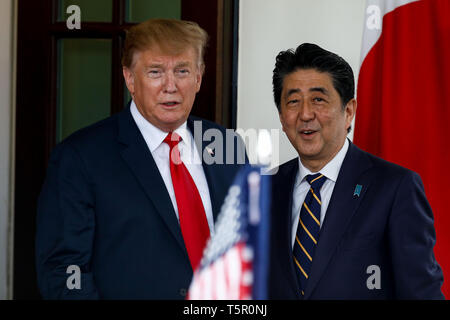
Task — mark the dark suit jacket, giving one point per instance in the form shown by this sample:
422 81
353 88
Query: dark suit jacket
104 207
390 225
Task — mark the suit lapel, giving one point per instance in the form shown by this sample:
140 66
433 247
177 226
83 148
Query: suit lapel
210 170
283 198
343 204
136 154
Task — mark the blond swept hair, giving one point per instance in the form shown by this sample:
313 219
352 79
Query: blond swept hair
170 36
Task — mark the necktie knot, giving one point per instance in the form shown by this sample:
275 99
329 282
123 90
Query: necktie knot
316 180
172 139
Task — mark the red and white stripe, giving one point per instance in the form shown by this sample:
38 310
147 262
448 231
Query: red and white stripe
229 277
403 98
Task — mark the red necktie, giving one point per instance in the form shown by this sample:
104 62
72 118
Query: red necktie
193 223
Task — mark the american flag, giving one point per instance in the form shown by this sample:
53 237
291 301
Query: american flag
236 259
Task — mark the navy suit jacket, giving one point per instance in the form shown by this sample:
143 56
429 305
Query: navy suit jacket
104 207
389 225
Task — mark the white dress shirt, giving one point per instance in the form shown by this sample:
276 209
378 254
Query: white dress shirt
154 138
301 187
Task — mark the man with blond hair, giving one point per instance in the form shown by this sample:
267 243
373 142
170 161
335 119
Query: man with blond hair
125 212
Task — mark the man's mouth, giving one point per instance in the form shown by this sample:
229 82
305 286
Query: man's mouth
307 133
170 104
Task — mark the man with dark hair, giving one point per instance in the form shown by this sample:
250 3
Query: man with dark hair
346 224
128 203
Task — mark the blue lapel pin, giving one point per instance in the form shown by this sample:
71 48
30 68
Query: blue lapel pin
357 190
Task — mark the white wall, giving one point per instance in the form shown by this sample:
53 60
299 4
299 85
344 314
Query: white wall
267 27
6 70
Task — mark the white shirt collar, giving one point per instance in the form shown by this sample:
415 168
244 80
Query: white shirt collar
330 170
152 134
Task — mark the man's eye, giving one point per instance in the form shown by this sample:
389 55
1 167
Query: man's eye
154 73
318 99
292 102
182 71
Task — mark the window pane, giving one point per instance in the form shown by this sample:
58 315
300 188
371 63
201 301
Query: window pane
91 10
141 10
84 83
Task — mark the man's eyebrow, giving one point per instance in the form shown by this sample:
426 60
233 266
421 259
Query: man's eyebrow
320 89
292 91
154 65
182 64
313 89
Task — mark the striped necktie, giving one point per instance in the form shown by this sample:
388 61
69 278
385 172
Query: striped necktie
308 230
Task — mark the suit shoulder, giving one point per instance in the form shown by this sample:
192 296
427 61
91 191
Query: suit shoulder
285 171
207 124
210 128
94 132
93 139
386 168
289 166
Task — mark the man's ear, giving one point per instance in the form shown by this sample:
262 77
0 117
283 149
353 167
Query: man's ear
350 111
281 120
199 77
129 79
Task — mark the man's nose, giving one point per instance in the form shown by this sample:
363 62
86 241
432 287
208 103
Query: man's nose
170 84
306 112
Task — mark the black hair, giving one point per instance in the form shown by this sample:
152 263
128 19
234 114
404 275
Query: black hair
311 56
